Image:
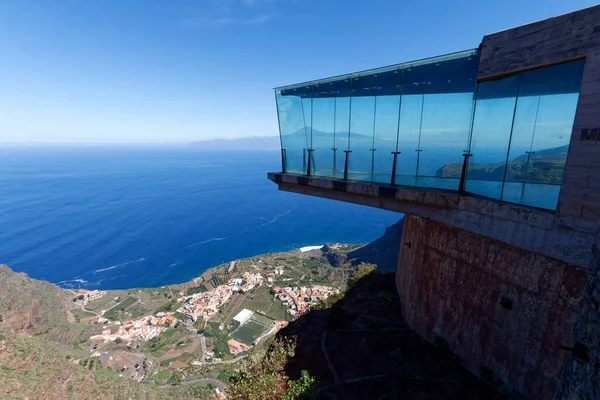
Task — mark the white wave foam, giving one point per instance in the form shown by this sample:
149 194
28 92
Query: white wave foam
80 281
309 248
276 217
207 241
120 265
105 269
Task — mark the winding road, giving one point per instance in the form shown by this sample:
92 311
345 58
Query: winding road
215 382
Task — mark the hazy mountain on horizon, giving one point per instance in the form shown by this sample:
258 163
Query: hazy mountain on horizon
274 143
249 143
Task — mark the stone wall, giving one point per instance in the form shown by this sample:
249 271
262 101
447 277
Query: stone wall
581 379
503 310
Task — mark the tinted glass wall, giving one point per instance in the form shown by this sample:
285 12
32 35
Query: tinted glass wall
521 132
410 124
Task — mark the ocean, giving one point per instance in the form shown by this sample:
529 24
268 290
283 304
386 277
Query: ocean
117 217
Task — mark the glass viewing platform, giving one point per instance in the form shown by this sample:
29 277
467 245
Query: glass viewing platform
432 124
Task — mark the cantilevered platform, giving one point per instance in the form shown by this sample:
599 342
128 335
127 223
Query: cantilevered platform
493 155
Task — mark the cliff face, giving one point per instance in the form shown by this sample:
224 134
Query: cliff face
382 252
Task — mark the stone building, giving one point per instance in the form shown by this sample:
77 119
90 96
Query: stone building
493 155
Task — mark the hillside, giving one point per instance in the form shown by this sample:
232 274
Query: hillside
33 368
357 346
545 166
39 342
30 306
383 251
46 349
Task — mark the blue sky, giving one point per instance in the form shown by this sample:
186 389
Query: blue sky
183 70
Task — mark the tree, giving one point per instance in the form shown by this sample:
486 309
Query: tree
220 347
174 379
118 340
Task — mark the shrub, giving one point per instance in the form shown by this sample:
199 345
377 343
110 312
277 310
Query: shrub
263 377
361 272
194 290
166 307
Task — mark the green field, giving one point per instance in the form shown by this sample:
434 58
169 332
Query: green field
261 318
248 332
258 299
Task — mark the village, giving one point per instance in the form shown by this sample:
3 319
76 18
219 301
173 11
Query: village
299 299
142 329
208 324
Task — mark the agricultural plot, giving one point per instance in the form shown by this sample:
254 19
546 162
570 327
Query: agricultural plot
248 332
112 313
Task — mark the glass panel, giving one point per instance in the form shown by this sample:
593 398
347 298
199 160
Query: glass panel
408 139
294 134
342 134
362 125
520 133
444 138
446 116
490 138
323 135
541 134
386 135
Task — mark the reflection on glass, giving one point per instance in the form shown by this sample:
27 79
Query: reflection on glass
408 139
342 134
444 138
323 136
517 128
293 131
541 132
490 137
362 123
385 138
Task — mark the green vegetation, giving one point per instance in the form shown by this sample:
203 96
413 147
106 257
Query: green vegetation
220 347
136 311
263 376
545 166
43 312
168 337
47 367
201 391
166 307
212 329
194 290
361 272
261 318
113 312
259 299
162 375
217 281
175 378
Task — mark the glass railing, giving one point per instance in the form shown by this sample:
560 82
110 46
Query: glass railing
430 124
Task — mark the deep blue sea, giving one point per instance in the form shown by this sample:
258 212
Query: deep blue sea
116 217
